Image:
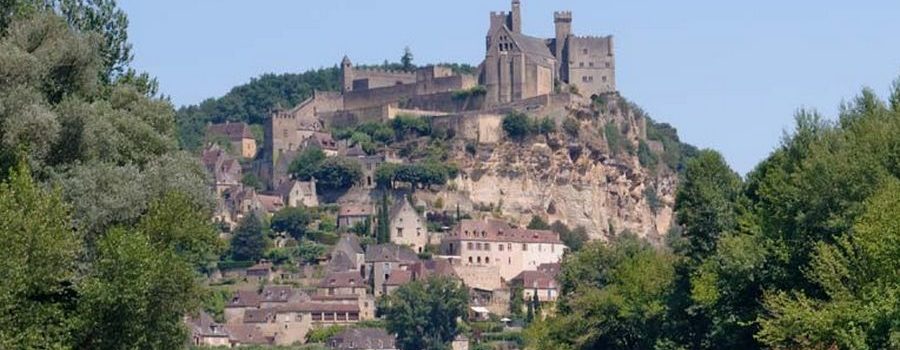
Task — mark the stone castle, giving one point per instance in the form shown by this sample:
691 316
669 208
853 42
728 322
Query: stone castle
518 71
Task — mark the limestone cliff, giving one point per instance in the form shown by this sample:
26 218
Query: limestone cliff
594 179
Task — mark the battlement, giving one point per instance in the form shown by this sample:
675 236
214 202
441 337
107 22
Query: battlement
593 37
562 16
495 14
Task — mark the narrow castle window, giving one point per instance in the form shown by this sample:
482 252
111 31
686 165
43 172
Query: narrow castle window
581 64
584 51
590 64
607 64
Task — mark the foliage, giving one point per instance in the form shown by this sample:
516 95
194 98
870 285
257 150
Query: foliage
517 126
614 139
293 220
406 60
614 296
571 126
705 202
859 274
538 223
38 267
383 231
462 95
249 241
418 174
337 173
423 313
675 153
254 101
322 334
572 238
646 157
306 164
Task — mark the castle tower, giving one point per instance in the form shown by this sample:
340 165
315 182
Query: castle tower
347 75
515 17
563 22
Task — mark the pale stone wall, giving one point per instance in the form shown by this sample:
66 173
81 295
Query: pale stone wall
479 276
408 228
592 64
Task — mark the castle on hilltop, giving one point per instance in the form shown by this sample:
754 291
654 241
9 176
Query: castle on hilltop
517 66
519 71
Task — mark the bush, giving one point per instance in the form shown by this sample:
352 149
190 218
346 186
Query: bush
337 173
571 126
516 125
646 157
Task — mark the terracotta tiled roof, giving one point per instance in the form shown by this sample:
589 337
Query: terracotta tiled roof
399 278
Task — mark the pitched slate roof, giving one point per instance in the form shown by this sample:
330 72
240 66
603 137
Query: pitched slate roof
244 298
234 131
535 279
362 338
531 45
499 231
353 209
344 279
203 325
259 315
247 334
390 252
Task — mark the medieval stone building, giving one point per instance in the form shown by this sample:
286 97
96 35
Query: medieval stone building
517 66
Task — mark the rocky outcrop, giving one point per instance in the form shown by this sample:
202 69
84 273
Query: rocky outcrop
576 180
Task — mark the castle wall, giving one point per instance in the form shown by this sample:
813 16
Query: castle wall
592 64
445 102
375 78
354 100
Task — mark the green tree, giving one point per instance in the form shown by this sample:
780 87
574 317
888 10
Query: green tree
423 314
572 238
406 61
614 295
293 220
538 223
571 126
516 125
38 267
383 233
180 225
337 173
705 202
248 242
860 277
135 295
307 163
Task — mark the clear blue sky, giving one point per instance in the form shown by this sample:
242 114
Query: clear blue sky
729 75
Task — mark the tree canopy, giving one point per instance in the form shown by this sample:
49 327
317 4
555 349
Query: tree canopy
424 314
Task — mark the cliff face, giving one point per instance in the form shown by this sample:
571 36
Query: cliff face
594 179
